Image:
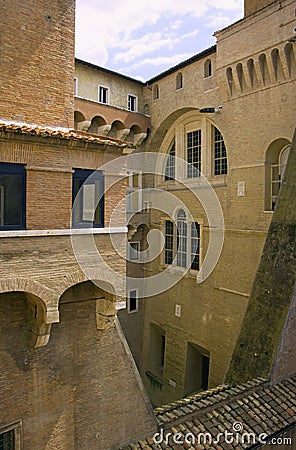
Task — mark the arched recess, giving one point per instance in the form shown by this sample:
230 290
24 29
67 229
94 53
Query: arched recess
290 58
275 165
99 292
98 125
79 118
116 128
38 328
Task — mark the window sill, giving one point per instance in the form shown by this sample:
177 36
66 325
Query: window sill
62 232
187 273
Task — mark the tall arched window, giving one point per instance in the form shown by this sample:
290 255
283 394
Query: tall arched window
170 165
276 161
181 239
220 154
155 92
208 68
179 81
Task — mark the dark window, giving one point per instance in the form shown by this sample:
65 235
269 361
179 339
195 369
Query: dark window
220 155
7 440
134 250
103 94
169 242
88 198
155 92
12 196
195 245
181 239
205 367
170 165
208 68
133 301
132 103
179 81
194 153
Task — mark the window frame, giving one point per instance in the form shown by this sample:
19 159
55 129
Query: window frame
173 239
136 309
132 99
14 169
16 428
218 145
170 168
106 90
83 175
194 163
133 251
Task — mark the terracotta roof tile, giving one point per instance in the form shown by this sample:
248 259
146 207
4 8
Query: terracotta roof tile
62 133
256 407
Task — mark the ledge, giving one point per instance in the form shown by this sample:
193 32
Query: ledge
62 232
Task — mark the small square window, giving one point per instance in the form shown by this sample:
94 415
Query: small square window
133 301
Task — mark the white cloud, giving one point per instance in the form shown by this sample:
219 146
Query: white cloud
104 26
168 61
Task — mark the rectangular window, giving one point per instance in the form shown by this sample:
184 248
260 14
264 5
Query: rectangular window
195 246
12 196
134 192
88 198
170 165
169 242
10 436
104 95
7 440
75 86
134 250
132 102
132 301
194 153
220 156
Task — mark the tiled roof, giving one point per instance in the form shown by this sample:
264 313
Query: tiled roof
63 133
256 410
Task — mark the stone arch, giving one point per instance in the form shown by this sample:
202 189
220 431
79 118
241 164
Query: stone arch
38 321
164 127
116 129
98 291
98 125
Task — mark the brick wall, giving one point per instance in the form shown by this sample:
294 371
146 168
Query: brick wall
78 392
37 61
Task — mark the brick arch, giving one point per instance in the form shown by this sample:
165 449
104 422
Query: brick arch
26 285
104 281
162 129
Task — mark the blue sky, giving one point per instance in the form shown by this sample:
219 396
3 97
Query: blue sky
143 39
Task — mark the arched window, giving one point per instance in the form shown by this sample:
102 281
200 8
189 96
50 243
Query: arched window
220 154
179 81
276 161
155 92
208 68
170 165
181 239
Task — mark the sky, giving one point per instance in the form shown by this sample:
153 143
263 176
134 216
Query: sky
143 38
